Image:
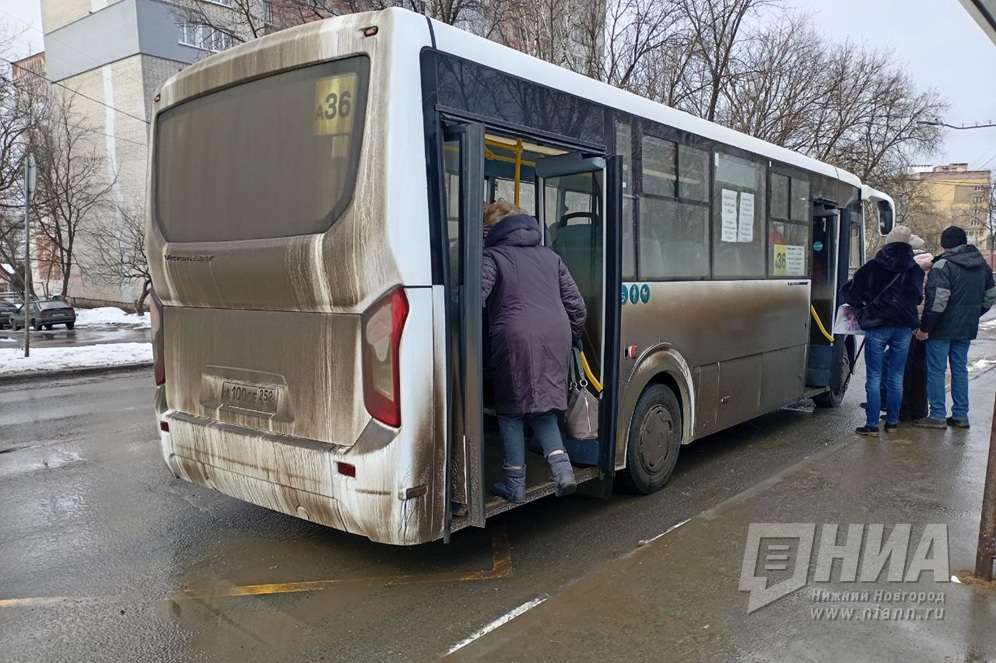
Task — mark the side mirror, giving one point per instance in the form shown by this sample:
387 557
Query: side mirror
886 219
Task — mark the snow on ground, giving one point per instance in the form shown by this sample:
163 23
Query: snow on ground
110 315
982 364
43 360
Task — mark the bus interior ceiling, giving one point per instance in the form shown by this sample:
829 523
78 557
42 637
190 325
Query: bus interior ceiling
571 220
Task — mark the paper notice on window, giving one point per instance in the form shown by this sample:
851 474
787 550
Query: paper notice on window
335 99
788 260
729 216
745 222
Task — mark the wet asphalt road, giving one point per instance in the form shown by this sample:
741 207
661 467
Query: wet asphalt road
105 556
61 337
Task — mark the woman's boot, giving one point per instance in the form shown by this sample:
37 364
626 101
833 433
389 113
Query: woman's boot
513 488
563 473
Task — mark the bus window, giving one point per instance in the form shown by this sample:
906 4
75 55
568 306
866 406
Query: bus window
693 173
738 246
624 147
309 119
505 190
855 251
674 239
788 236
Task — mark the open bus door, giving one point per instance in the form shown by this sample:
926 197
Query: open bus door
579 203
463 156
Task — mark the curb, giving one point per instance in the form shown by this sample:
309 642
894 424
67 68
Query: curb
30 376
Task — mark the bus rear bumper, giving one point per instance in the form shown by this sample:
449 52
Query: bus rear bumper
296 477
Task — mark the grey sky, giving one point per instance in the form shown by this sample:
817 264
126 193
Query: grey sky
936 40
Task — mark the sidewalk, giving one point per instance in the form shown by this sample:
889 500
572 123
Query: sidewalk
677 598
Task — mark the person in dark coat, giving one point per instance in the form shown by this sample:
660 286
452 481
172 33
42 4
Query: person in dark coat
535 312
886 290
959 291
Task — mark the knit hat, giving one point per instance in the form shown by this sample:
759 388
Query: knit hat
953 236
899 234
917 242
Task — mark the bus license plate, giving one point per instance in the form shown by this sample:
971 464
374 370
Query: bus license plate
258 398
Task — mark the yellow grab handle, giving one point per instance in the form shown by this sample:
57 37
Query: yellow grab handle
819 323
588 374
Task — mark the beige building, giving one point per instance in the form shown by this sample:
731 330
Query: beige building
955 195
116 54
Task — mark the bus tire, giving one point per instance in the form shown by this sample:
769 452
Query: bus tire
832 398
654 440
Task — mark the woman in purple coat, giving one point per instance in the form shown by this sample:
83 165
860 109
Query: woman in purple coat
534 312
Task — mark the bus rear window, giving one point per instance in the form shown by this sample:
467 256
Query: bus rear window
272 157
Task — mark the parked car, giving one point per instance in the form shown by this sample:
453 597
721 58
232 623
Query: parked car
46 314
7 310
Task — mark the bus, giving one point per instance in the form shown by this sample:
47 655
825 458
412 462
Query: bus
314 234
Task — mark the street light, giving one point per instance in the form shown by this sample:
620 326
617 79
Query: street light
938 123
29 188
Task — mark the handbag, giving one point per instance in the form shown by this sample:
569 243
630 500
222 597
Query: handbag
581 416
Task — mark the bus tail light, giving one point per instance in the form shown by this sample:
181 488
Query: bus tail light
382 327
158 344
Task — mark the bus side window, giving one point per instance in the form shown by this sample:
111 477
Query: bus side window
788 227
854 253
624 147
738 217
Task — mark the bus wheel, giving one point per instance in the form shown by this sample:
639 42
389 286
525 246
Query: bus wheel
654 440
834 397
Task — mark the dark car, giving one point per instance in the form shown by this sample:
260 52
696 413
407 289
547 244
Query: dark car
7 310
47 314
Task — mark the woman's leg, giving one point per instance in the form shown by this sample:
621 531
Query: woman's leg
513 487
548 433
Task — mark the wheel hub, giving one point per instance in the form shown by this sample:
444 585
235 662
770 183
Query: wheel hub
656 430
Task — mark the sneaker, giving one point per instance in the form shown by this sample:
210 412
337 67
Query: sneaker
891 428
927 422
959 422
867 430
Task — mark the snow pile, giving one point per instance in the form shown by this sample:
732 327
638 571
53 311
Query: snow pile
13 362
111 315
988 324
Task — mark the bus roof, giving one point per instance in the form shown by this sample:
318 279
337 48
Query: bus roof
411 32
478 49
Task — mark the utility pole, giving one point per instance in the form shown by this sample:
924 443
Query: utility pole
986 553
29 188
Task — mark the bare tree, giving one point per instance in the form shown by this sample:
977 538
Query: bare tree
22 108
117 252
73 187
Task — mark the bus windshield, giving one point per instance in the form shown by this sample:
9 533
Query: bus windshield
273 157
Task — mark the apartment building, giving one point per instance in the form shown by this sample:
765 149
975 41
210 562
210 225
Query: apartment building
115 54
957 196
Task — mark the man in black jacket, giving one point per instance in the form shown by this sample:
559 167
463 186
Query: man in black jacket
959 291
886 290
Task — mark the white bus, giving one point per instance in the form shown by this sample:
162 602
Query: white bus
314 235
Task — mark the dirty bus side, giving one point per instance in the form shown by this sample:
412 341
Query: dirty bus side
315 238
293 281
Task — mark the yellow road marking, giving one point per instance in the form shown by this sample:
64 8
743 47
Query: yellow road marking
501 567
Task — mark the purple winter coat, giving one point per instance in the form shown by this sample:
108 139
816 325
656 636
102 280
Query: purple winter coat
534 309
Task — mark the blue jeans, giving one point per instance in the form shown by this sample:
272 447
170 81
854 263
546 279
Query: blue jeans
513 436
885 352
939 354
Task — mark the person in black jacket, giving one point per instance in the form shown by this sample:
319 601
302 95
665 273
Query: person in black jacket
959 291
886 291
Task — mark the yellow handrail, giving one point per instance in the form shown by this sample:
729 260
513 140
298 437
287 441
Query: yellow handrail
819 324
588 374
